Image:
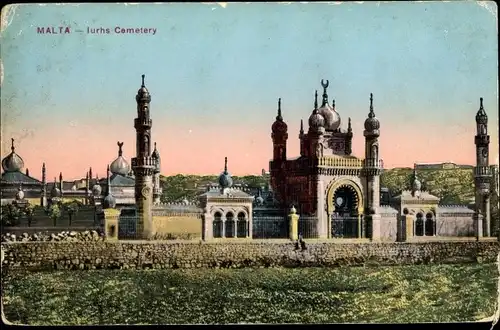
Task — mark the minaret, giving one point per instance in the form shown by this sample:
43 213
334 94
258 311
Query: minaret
157 190
43 197
91 177
371 171
87 189
61 185
143 164
348 140
279 137
482 173
302 139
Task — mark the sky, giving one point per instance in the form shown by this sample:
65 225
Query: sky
215 73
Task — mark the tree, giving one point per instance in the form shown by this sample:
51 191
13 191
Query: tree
10 215
54 213
72 208
28 211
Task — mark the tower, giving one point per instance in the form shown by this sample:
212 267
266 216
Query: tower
316 131
302 139
143 164
482 173
279 136
61 184
157 190
87 189
371 171
43 197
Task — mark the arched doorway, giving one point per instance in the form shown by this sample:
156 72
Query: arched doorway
230 225
217 225
429 224
345 217
242 227
419 225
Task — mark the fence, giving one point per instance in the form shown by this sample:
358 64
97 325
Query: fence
308 227
347 227
269 227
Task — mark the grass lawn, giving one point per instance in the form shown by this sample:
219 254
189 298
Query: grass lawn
403 294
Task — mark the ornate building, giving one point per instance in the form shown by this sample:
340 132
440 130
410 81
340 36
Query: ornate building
327 181
482 173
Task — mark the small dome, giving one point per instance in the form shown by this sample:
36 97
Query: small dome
279 126
19 194
293 210
417 185
109 202
371 123
185 201
13 162
259 200
143 93
225 179
481 117
316 120
55 192
96 190
120 166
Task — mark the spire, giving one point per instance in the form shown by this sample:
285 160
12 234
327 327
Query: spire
225 165
143 76
27 172
108 180
316 100
279 116
43 173
349 127
325 95
120 145
90 173
371 114
301 126
12 146
60 176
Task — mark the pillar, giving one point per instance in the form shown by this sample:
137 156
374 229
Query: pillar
293 223
401 228
478 225
223 219
208 227
323 218
111 220
487 218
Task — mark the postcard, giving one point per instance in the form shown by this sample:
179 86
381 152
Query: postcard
249 163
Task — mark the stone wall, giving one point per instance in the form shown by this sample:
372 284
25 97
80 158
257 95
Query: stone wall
140 255
186 226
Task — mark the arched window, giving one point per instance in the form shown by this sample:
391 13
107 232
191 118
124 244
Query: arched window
419 225
230 225
429 224
242 225
217 226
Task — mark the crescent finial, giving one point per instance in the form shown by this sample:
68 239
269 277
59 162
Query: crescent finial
325 85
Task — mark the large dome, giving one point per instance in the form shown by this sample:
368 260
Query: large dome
13 162
316 120
332 118
120 165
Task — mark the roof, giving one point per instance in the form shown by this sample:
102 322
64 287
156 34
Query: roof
406 195
18 177
232 193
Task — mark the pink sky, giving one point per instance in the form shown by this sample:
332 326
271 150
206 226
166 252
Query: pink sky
71 149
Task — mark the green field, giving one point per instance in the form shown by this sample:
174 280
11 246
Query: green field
403 294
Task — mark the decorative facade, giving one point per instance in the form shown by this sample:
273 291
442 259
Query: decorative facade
327 181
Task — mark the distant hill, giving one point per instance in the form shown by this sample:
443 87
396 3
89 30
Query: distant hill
178 187
453 186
